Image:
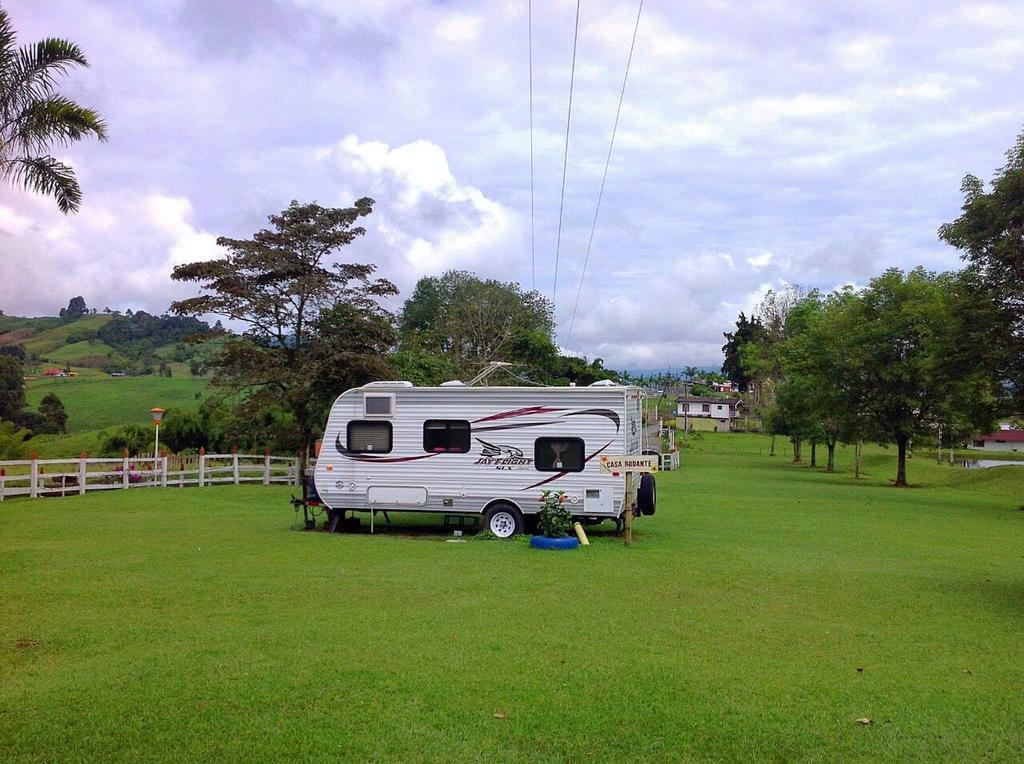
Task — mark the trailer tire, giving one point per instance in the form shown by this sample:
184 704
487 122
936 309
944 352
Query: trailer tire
646 495
503 520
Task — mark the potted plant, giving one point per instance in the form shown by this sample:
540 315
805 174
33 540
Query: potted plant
554 524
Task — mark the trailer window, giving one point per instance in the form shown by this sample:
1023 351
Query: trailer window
559 454
369 437
446 436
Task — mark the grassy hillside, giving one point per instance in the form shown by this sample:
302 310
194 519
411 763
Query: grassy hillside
48 340
12 323
67 446
82 350
98 401
765 609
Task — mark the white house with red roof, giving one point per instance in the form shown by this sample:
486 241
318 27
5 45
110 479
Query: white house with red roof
694 411
1005 438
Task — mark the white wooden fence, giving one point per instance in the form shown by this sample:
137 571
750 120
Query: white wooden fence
65 477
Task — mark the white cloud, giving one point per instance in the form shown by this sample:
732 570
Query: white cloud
431 220
833 138
12 223
127 265
458 28
863 52
170 216
993 15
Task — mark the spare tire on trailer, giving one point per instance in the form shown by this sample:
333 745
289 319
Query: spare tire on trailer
646 495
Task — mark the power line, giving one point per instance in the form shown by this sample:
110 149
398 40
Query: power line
565 157
533 237
604 177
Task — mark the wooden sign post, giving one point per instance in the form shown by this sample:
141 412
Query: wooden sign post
628 465
628 535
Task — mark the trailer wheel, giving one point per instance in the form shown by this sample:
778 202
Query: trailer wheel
503 520
646 495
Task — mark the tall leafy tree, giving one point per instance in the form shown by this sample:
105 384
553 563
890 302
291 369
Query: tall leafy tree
76 309
816 361
12 389
53 417
468 321
760 359
794 413
747 330
913 365
990 234
34 117
314 326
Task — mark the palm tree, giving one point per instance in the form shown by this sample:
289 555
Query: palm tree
33 116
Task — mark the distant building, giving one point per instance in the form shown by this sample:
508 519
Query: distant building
56 373
1003 439
679 388
724 387
699 413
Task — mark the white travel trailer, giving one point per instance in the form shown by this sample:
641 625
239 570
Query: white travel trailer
490 451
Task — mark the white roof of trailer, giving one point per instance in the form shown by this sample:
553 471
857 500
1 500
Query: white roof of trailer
492 388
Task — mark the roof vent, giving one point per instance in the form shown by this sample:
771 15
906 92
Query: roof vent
604 383
388 383
453 383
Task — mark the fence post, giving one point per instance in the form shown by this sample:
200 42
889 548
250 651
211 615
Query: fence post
234 463
33 475
266 466
3 480
163 471
124 468
82 467
202 466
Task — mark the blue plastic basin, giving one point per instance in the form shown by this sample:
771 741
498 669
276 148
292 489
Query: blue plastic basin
545 542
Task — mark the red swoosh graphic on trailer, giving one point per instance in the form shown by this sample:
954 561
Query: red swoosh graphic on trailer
518 412
598 412
513 426
566 472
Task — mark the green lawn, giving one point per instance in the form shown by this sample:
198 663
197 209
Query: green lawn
98 401
763 610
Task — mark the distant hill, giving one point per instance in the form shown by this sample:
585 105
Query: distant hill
137 343
151 350
48 339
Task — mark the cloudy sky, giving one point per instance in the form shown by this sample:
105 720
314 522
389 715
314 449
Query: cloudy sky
760 143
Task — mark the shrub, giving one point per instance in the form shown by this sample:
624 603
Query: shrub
12 441
136 438
553 519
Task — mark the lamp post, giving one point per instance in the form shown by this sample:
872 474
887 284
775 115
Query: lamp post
157 414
